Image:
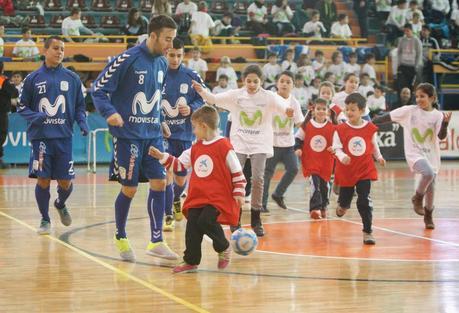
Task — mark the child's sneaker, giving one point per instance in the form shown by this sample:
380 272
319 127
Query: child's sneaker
234 228
279 201
185 268
315 214
428 221
169 223
125 250
265 210
340 211
178 215
224 258
161 250
45 228
417 203
323 213
368 239
64 214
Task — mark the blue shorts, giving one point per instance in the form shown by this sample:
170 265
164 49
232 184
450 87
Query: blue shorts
131 163
52 158
176 147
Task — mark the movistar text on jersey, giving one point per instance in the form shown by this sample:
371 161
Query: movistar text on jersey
55 121
176 122
248 131
143 119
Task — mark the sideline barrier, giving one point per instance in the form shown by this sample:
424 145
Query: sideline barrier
97 147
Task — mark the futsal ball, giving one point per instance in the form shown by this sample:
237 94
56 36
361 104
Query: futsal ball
244 241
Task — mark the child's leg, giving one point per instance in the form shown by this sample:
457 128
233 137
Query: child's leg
258 163
429 207
193 237
209 226
344 200
247 171
324 190
271 164
364 204
315 200
290 161
424 168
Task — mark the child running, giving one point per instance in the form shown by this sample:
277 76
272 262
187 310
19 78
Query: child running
216 188
312 144
284 141
251 109
355 145
423 128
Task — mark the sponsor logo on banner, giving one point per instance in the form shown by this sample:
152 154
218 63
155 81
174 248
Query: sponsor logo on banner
450 146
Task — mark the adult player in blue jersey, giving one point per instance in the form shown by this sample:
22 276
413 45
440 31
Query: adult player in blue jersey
51 101
179 101
128 94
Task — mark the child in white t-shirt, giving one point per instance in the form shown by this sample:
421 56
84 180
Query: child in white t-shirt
271 70
340 28
318 64
314 27
365 86
300 92
289 64
226 68
338 67
313 88
252 109
369 68
305 68
376 103
222 85
197 64
284 141
353 67
423 128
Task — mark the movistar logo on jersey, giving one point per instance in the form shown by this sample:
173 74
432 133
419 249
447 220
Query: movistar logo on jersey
51 109
254 120
417 137
172 111
140 103
282 123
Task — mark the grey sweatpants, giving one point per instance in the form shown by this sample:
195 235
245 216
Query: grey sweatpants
426 185
258 162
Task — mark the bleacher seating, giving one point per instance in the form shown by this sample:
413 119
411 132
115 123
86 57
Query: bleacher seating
101 5
88 21
77 4
56 20
37 21
53 5
123 5
146 5
109 21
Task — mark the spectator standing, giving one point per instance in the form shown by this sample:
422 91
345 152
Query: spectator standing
186 7
7 92
428 43
201 24
161 7
409 58
361 9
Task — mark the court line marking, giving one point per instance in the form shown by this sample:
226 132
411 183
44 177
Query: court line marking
140 281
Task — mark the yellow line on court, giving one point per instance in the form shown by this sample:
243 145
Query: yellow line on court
142 282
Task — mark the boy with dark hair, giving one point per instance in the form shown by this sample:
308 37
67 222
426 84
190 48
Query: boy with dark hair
355 144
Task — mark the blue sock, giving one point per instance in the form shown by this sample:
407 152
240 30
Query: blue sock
178 190
42 196
122 205
169 198
156 200
62 196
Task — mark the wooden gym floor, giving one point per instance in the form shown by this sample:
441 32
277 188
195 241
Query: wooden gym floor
300 266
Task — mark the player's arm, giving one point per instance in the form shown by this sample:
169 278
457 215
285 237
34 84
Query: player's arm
444 125
179 164
197 100
105 84
225 100
338 149
237 177
80 110
280 104
382 119
376 152
25 101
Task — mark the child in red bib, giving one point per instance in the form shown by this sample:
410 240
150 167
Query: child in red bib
355 145
216 188
312 144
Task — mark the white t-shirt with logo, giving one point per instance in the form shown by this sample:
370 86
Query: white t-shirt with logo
252 118
420 134
71 27
303 96
231 73
374 103
283 125
270 72
25 49
258 13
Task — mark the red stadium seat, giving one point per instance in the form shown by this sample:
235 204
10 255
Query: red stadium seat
101 5
123 5
110 22
56 20
53 5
